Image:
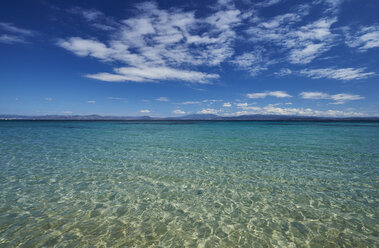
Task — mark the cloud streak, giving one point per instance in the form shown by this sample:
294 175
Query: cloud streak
271 109
13 29
178 112
159 44
155 44
338 98
12 34
366 38
162 99
208 111
338 74
149 74
278 94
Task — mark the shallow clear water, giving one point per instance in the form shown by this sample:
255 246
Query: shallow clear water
191 184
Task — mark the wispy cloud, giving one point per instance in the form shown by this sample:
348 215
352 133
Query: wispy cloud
190 102
247 107
144 111
10 39
116 98
158 44
208 111
338 98
178 112
227 104
211 100
253 61
339 74
12 34
155 44
267 3
92 102
95 18
301 44
283 72
48 99
312 40
88 14
13 29
162 99
146 74
333 5
279 94
364 38
271 109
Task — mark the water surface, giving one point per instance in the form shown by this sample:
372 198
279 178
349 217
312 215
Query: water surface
189 184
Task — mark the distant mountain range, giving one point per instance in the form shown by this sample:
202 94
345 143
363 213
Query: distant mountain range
197 117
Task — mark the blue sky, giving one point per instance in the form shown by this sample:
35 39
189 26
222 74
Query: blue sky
171 58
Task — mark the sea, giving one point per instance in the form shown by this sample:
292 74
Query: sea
189 184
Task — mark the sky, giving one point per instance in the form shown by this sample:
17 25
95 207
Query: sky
172 58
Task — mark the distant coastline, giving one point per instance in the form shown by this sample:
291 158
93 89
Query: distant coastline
194 117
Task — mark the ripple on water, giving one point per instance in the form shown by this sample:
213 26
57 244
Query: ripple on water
200 185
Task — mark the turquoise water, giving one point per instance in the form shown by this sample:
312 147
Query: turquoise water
191 184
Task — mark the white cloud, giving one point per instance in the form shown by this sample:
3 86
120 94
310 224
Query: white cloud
144 111
333 5
108 77
158 44
242 105
271 109
155 44
48 99
86 47
67 112
253 61
178 112
9 27
314 95
92 102
364 39
247 107
248 59
96 18
306 54
116 98
279 94
212 100
267 3
342 98
283 72
227 104
88 14
257 95
14 34
301 44
312 40
339 74
151 74
208 111
10 39
190 102
162 99
338 98
292 37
